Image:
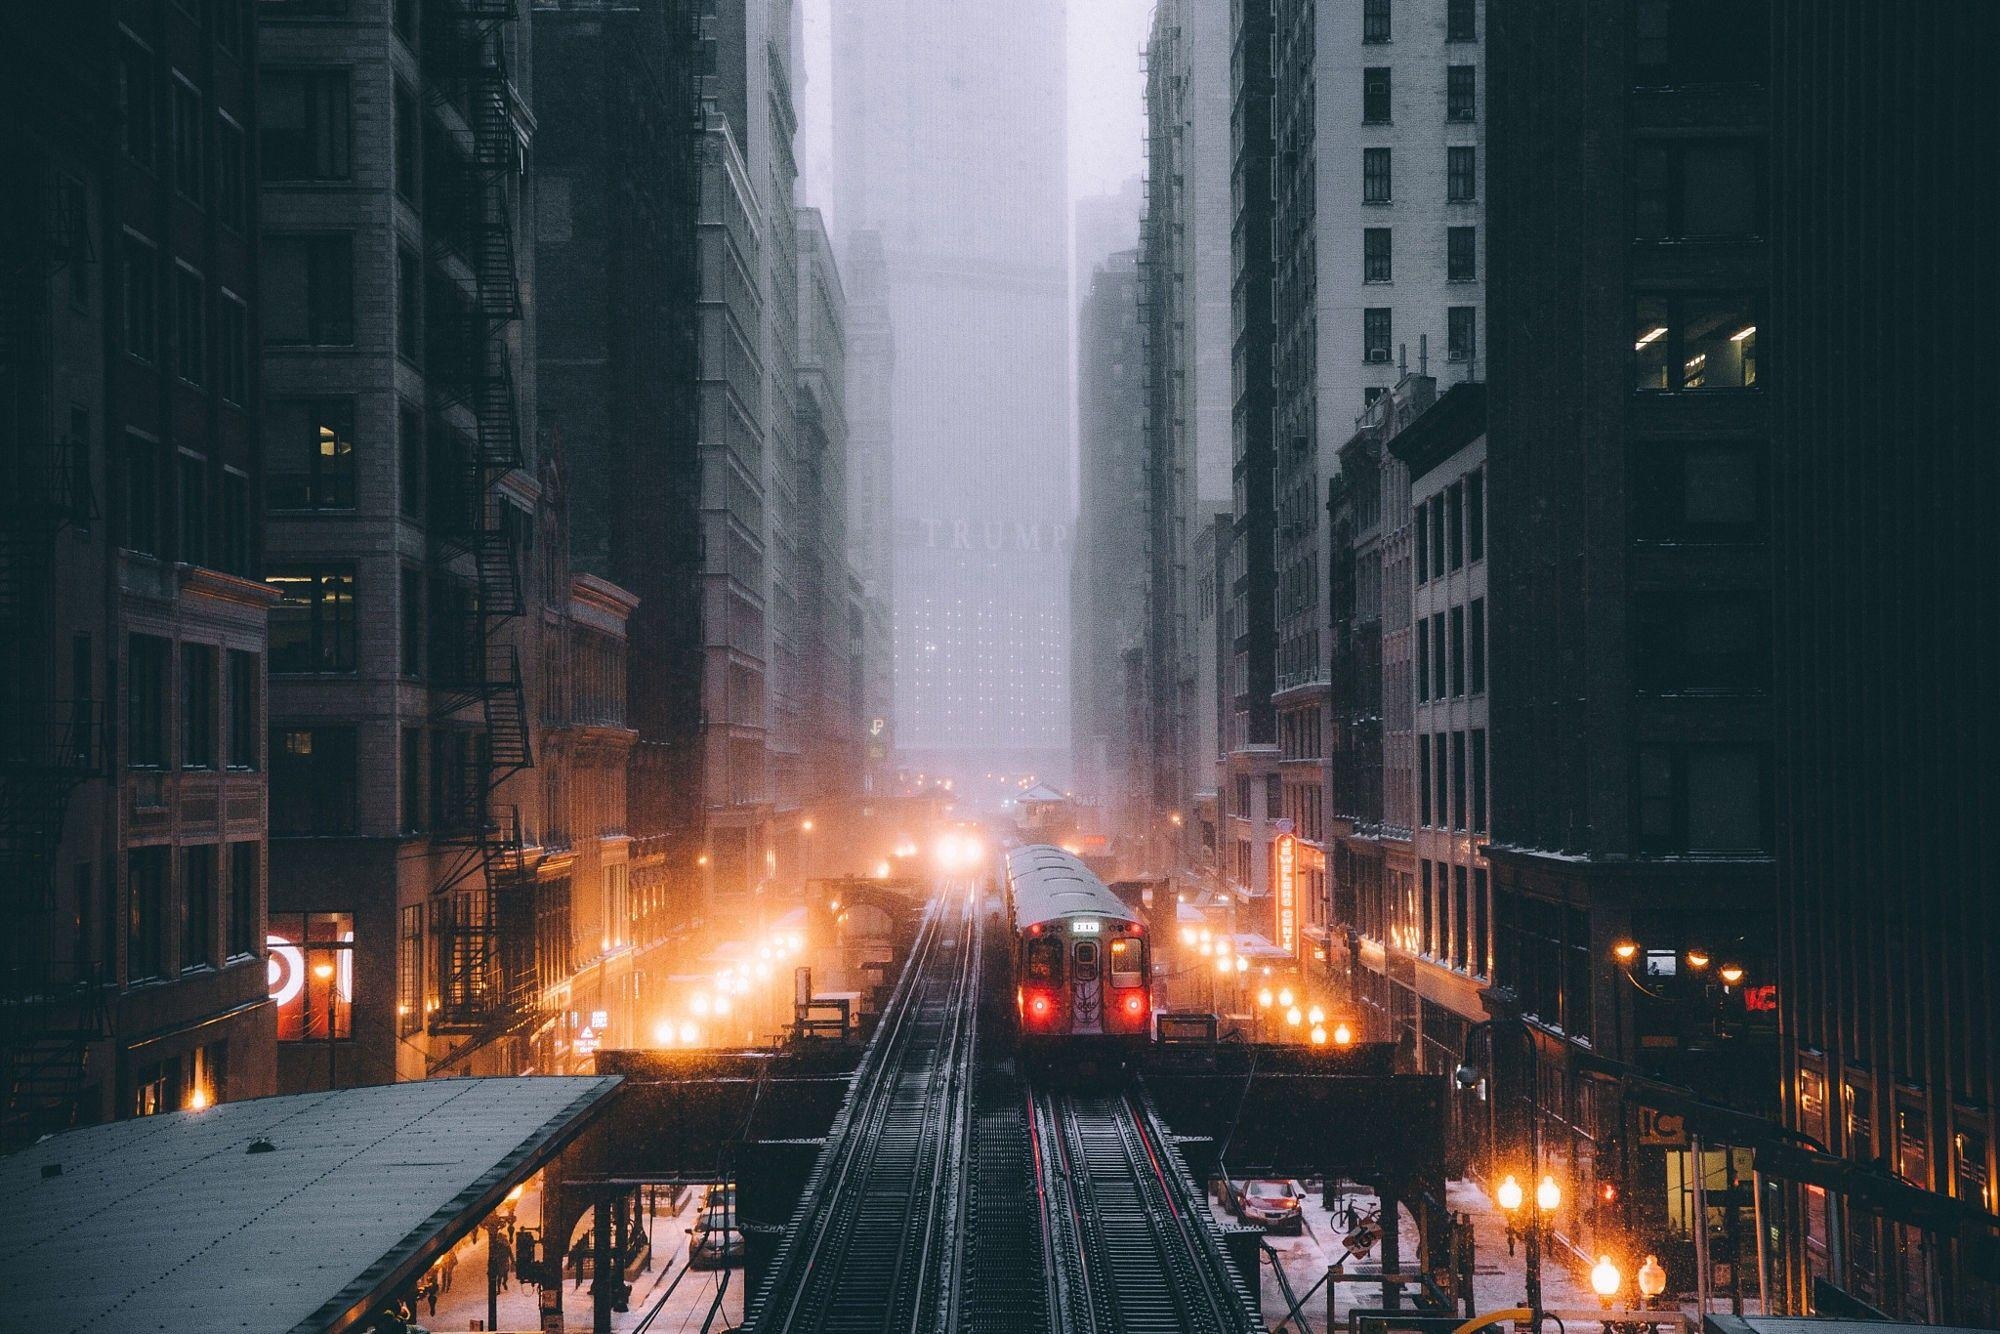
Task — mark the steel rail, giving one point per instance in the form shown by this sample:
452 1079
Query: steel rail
867 1251
1133 1244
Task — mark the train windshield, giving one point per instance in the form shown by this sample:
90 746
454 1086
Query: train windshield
1086 961
1045 961
1127 968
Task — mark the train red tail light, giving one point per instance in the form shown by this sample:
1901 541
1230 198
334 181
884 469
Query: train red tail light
1039 1005
1135 1004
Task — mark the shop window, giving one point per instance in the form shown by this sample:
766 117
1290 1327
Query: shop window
312 975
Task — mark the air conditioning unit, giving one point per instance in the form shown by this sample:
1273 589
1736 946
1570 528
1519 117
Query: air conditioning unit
1378 354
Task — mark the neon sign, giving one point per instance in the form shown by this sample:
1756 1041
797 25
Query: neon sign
1287 848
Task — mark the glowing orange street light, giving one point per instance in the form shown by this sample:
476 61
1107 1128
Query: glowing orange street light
1732 973
1509 1194
1548 1195
1625 951
1605 1280
1342 1035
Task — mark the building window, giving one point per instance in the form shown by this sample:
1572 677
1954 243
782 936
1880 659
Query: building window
1375 182
1454 516
410 651
410 972
193 497
1475 635
317 948
233 338
197 706
409 306
1437 656
1423 779
146 871
303 125
1447 781
1426 911
1461 168
413 780
1475 515
1701 799
1375 255
190 325
312 627
312 781
142 299
1457 647
142 495
1436 508
198 906
1681 42
1458 783
1422 543
1458 21
235 522
409 123
186 122
245 928
1698 189
1699 642
1694 342
1458 94
232 176
1698 493
1374 20
245 687
308 290
1375 95
309 463
138 86
1461 254
146 702
410 449
1423 661
1461 333
1478 780
1375 333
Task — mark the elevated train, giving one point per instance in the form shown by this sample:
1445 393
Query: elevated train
1083 965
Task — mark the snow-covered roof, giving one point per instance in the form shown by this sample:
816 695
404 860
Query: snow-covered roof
168 1224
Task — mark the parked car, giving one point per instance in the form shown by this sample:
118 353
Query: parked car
1275 1205
714 1242
720 1197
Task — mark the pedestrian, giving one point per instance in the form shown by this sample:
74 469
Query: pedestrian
503 1262
446 1268
427 1290
576 1254
524 1253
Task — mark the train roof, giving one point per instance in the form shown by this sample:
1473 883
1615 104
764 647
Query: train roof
1049 883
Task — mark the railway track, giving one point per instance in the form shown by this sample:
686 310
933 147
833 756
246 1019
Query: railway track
1130 1246
874 1246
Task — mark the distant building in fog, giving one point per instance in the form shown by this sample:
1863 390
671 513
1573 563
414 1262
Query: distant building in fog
949 143
1108 569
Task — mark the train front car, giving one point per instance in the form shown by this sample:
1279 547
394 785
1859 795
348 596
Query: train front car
1082 964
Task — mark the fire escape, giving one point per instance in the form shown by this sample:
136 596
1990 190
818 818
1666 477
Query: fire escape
482 913
51 1010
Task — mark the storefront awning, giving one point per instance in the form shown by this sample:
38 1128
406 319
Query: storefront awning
301 1213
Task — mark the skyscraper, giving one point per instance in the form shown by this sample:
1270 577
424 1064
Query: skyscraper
949 141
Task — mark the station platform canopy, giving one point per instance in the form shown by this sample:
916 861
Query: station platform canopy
300 1213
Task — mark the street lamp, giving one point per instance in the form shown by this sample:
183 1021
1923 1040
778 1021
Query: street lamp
1605 1280
1342 1035
1319 1035
1732 973
1509 1195
1652 1280
1625 951
1548 1195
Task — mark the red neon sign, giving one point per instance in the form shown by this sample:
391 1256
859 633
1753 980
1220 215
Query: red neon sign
1288 892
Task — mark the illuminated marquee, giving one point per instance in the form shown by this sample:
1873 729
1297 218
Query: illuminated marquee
1286 849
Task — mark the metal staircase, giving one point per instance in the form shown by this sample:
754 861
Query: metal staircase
482 911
